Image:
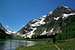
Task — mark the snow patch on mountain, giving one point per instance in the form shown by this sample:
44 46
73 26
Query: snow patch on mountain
66 15
56 18
44 32
31 33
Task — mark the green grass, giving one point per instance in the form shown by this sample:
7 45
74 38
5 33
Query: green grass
67 45
39 46
44 45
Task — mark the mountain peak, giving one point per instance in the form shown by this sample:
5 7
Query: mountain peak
49 24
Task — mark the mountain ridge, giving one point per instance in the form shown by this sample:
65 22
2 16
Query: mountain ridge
50 24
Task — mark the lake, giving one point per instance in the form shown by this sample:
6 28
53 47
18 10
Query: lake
13 44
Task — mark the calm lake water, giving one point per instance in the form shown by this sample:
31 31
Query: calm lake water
13 44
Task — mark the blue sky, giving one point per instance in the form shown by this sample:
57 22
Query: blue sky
16 13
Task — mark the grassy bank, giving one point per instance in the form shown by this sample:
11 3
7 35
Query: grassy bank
40 45
45 45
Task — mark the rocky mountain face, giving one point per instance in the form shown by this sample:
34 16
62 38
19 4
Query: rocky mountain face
3 34
61 22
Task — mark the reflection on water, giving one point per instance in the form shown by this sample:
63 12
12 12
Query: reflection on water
12 44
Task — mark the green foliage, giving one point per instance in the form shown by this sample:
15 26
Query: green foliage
68 30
